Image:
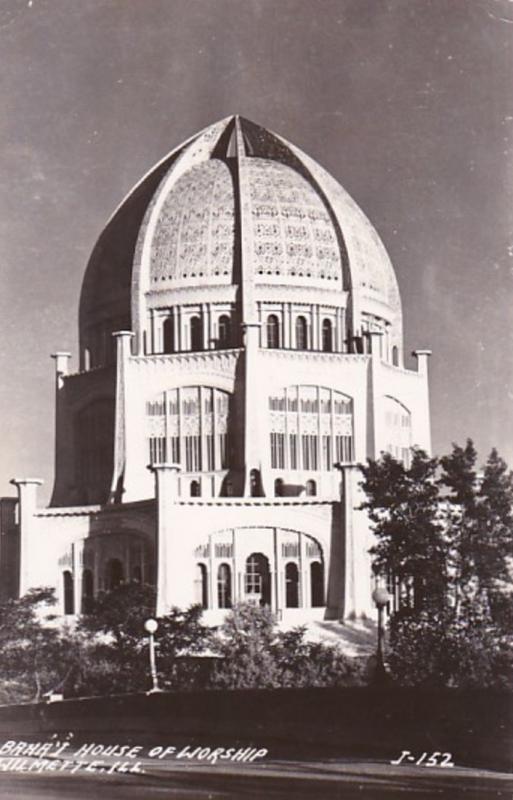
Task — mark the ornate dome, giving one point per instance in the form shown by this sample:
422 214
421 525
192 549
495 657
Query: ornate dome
237 204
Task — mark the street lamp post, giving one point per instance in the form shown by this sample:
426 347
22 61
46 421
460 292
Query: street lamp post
381 597
150 627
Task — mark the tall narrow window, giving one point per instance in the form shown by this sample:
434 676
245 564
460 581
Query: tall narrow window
291 585
273 331
69 600
87 591
327 336
224 586
168 335
301 334
195 489
395 356
317 583
201 585
196 333
224 338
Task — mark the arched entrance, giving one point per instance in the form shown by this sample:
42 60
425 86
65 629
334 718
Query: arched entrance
258 579
317 584
114 576
291 585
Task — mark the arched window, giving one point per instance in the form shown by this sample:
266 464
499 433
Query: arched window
317 583
114 574
291 585
273 331
258 578
69 599
278 487
301 334
196 333
327 336
395 356
195 489
168 335
311 488
137 573
225 334
87 591
224 586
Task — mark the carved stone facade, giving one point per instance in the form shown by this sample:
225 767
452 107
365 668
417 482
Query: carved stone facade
240 353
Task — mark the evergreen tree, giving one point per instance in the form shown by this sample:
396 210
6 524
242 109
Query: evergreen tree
452 535
402 504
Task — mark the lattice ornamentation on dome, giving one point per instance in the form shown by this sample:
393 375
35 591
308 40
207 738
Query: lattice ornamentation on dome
292 231
194 235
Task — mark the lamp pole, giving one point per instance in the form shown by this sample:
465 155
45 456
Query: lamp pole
381 597
150 627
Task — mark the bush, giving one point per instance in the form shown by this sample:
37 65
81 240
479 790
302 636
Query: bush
256 655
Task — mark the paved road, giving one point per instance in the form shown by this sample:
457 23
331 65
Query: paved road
319 780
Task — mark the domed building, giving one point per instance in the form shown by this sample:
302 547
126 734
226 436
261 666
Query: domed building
241 351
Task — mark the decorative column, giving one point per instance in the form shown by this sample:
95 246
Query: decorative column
252 412
422 419
64 466
305 600
422 357
174 561
373 426
123 343
346 572
27 498
77 549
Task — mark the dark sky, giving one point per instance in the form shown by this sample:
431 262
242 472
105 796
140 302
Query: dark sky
408 103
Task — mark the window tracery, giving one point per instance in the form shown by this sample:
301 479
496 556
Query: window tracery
311 427
189 426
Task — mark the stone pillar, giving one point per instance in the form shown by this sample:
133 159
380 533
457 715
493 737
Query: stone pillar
422 357
252 410
373 422
123 353
345 553
423 410
174 561
212 575
304 576
27 498
61 367
64 465
77 549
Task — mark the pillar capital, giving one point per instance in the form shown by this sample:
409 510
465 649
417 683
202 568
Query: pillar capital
26 481
165 467
121 334
245 325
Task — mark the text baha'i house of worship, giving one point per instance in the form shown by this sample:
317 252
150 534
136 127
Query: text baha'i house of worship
241 351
